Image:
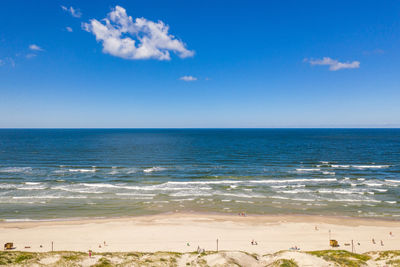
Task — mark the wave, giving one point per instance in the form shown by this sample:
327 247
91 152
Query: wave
205 182
15 169
135 194
154 169
308 170
47 197
240 195
294 180
82 170
8 186
296 191
352 200
392 181
339 191
340 166
380 190
370 166
372 184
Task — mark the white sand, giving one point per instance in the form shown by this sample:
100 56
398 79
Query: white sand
172 232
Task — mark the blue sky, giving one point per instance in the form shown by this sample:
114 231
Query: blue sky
220 64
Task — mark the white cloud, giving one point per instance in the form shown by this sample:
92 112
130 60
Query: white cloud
334 64
69 29
188 78
35 47
74 12
124 37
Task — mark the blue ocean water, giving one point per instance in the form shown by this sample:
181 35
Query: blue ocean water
64 173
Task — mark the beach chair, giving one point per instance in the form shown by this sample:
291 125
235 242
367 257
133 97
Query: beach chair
8 245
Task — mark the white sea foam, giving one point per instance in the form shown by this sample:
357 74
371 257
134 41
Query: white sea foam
82 170
32 183
135 194
99 185
392 181
189 194
303 199
293 180
296 191
19 220
328 173
240 195
352 200
279 186
154 169
340 166
47 197
204 182
391 202
15 169
372 184
380 190
338 191
8 186
32 188
279 197
370 166
308 170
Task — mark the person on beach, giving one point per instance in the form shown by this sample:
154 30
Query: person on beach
381 243
90 253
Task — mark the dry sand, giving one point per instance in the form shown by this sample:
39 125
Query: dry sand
172 232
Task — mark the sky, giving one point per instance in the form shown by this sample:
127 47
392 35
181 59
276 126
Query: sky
206 64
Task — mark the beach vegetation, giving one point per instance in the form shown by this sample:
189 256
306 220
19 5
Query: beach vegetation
393 262
103 262
284 263
389 254
342 257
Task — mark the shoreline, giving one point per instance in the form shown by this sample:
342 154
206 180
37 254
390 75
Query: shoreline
184 232
256 218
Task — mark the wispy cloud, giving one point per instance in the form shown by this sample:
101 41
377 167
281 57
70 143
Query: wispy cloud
7 61
69 29
123 37
188 78
31 55
34 47
377 51
333 64
74 12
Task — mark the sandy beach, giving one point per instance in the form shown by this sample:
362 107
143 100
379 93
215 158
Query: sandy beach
181 232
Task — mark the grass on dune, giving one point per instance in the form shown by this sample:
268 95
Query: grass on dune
342 257
284 263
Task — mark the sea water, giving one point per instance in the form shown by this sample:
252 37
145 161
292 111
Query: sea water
76 173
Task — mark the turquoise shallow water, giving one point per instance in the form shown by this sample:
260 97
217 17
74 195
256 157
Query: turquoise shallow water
51 174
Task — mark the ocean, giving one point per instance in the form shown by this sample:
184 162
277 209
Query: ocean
50 174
